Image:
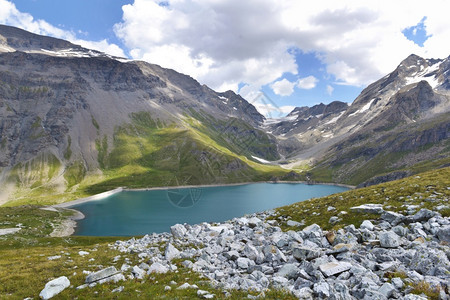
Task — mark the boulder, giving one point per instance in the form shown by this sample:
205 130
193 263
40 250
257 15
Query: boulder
157 267
290 271
368 208
253 222
392 217
443 233
293 223
305 253
102 274
54 287
178 231
171 252
138 272
423 215
366 224
389 239
333 268
387 289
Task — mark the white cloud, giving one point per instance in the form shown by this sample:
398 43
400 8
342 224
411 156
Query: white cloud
283 87
225 42
330 90
10 15
307 83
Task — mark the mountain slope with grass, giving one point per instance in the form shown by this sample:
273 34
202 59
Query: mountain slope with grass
75 122
397 126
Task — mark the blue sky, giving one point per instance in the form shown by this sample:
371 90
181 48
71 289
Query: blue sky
298 55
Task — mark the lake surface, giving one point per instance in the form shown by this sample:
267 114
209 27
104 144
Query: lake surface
141 212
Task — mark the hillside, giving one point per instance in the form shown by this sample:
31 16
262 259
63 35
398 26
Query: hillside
78 121
75 122
397 126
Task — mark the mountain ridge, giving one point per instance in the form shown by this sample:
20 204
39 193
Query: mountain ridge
76 122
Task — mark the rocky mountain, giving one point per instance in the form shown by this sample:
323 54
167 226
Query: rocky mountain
400 123
73 119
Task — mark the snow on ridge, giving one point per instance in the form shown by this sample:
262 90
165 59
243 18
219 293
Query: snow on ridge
363 109
422 75
334 119
261 160
223 98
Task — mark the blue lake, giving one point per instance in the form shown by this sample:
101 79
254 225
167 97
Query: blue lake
140 212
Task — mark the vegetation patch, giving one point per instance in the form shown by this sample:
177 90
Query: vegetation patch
424 190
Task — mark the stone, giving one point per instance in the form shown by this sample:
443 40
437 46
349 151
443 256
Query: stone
205 294
366 224
423 215
99 275
397 282
312 229
305 253
118 290
54 257
253 222
334 220
167 288
138 272
178 231
114 278
290 271
249 251
330 236
187 286
158 268
83 253
331 208
389 239
392 217
243 262
400 230
369 208
414 297
293 223
322 289
443 233
303 293
233 254
171 252
333 268
387 289
5 231
54 287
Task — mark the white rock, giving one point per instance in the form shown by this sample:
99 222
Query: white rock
54 257
187 286
157 268
369 208
333 268
366 224
96 276
83 253
54 287
171 252
389 239
178 231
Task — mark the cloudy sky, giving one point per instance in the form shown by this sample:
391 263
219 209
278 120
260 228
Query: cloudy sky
294 52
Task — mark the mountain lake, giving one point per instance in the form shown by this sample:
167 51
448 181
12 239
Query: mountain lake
143 212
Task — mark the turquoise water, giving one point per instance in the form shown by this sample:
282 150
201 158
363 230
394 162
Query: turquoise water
142 212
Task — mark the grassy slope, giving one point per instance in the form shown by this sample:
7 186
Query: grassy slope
354 163
414 190
24 255
148 153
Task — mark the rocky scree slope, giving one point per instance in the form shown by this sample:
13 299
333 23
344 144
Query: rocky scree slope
70 117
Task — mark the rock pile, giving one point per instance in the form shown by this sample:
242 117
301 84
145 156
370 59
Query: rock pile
379 260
